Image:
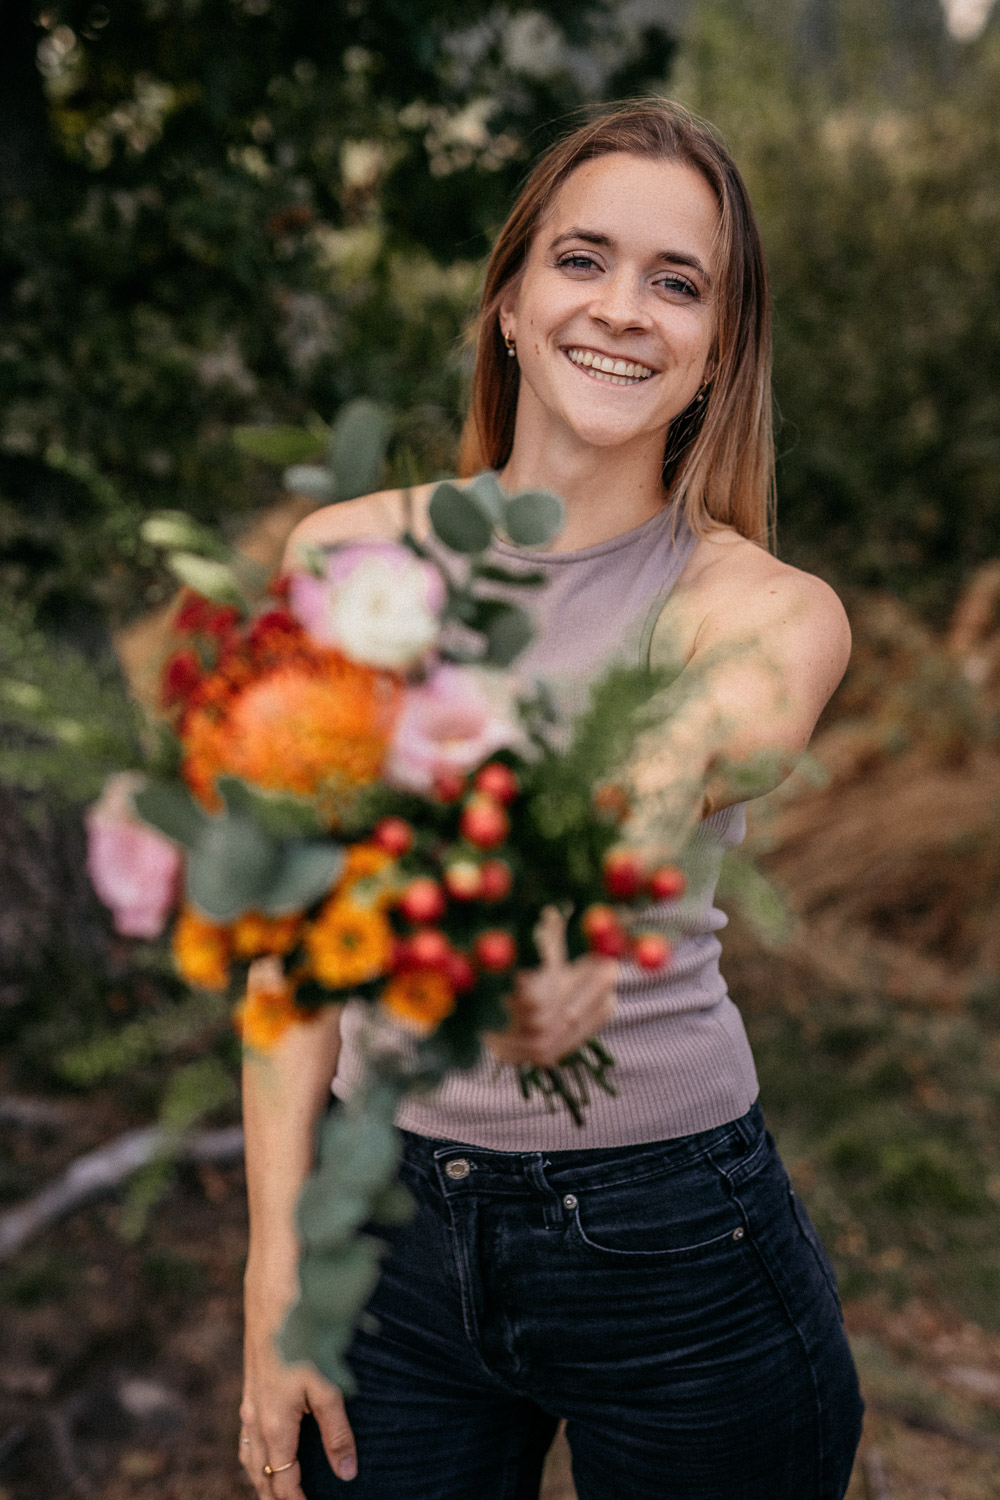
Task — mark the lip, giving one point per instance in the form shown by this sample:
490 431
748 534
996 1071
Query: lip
626 369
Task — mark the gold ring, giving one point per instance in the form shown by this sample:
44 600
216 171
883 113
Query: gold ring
268 1470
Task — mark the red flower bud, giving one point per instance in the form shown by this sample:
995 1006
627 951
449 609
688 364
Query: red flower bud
495 951
484 822
497 781
422 900
394 835
428 948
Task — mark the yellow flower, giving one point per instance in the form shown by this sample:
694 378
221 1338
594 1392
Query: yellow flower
254 934
419 999
348 944
269 1007
368 876
201 950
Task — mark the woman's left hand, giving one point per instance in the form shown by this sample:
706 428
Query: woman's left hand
557 1006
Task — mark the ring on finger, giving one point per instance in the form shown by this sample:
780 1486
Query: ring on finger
270 1469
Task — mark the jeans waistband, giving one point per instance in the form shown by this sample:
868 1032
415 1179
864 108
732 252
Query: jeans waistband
457 1166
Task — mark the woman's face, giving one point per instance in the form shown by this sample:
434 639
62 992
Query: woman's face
614 314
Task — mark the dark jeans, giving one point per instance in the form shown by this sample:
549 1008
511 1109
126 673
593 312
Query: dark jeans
671 1301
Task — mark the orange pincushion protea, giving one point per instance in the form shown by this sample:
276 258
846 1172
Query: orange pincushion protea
419 998
254 934
201 950
348 943
287 715
269 1007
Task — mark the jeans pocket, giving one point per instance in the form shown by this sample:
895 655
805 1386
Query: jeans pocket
809 1233
676 1216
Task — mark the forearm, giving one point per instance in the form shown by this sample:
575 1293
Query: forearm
285 1094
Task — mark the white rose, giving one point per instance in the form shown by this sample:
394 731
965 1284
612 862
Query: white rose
380 613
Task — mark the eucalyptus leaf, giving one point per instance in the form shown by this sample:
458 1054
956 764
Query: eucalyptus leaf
337 1285
488 495
508 630
327 1220
357 447
231 868
459 522
532 579
533 517
364 1149
394 1206
315 481
214 580
175 530
306 872
281 814
171 808
280 445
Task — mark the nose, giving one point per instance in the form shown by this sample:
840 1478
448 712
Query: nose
617 303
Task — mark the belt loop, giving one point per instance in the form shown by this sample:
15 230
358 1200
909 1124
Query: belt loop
534 1171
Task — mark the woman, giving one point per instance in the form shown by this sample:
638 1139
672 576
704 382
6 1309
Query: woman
651 1279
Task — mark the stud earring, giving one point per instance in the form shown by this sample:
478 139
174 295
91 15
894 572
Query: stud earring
701 393
511 346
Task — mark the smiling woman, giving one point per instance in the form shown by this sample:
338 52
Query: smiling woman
648 1277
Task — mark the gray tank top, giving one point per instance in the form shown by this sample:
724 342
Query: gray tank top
683 1060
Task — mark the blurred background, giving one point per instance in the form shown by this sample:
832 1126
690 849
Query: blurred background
228 212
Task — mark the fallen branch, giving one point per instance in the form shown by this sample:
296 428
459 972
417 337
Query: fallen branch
105 1168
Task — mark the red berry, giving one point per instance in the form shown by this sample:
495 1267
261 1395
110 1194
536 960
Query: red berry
461 974
449 786
599 918
496 879
651 951
623 875
428 948
667 883
394 835
495 950
463 880
181 676
609 942
422 900
497 781
484 822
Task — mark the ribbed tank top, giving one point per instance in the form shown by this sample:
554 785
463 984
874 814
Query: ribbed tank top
683 1062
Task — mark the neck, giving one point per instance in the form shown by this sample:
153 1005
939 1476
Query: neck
607 490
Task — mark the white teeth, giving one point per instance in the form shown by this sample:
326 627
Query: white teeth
603 367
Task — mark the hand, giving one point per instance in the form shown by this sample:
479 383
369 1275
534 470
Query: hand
557 1006
275 1396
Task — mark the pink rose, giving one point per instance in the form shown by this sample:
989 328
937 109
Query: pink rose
134 869
451 722
376 601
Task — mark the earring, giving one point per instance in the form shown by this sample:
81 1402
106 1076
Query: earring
701 393
511 346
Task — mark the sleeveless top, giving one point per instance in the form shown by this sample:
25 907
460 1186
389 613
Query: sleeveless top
683 1062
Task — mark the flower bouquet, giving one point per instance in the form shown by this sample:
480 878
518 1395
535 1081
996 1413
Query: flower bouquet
364 801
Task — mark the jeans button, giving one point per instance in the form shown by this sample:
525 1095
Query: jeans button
569 1201
458 1169
738 1234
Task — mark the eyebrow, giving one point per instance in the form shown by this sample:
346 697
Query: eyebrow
669 257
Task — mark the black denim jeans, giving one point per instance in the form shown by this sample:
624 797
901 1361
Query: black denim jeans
672 1302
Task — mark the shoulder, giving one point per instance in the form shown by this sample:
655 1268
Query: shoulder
734 591
378 517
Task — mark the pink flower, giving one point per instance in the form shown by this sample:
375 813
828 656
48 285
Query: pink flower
134 869
451 722
376 602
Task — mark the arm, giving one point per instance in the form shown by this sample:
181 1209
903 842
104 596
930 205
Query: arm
284 1097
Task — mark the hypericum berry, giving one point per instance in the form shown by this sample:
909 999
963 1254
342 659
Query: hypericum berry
427 948
495 951
609 942
497 781
623 874
394 835
599 918
651 951
449 786
463 880
612 801
461 974
496 880
422 900
667 883
483 822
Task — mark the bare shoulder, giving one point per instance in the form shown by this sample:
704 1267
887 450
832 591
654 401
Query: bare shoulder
732 589
378 517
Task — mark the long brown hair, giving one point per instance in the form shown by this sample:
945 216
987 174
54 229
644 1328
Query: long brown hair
719 456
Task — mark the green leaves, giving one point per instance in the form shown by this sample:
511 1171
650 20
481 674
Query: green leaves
357 447
282 445
533 517
465 518
459 520
200 559
312 480
249 857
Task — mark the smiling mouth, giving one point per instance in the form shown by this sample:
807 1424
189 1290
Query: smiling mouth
604 367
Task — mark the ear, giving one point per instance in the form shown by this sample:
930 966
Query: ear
507 311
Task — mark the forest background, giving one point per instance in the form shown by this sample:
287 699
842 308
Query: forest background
231 213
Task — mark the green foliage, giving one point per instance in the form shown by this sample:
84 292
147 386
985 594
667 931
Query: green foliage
160 1035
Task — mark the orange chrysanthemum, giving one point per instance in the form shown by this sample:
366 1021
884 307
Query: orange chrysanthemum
312 718
254 934
348 944
419 998
201 950
269 1008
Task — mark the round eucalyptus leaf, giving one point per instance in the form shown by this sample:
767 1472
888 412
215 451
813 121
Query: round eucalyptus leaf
338 1284
508 630
357 447
305 871
533 517
312 480
488 495
230 868
459 522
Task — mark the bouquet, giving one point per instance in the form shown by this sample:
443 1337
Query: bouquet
359 799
